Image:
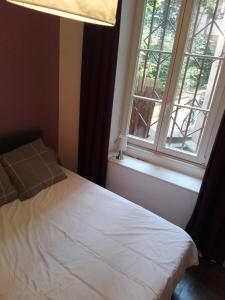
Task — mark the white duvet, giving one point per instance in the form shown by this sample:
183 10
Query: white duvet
77 241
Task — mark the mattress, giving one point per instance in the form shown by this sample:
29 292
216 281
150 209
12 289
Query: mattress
78 241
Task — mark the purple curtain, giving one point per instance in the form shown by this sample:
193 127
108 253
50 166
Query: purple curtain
207 224
99 58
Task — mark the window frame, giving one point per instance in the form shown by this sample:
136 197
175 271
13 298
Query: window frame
210 128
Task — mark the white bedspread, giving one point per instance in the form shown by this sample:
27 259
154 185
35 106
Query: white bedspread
77 241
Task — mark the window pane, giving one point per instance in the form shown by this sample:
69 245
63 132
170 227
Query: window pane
157 39
159 26
207 29
202 62
144 119
185 129
197 81
152 83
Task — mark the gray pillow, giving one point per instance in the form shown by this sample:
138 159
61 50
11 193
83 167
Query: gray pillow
7 191
32 168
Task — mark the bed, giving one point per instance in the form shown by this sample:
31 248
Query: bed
77 241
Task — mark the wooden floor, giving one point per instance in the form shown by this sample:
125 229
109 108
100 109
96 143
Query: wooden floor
205 282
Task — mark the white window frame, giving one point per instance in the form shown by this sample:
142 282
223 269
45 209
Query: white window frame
138 145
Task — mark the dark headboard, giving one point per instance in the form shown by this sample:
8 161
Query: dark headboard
12 140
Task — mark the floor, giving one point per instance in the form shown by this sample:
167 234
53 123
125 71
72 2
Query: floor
205 282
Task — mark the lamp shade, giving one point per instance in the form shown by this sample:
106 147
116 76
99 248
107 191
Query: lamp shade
102 12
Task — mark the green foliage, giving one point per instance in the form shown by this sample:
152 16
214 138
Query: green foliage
166 27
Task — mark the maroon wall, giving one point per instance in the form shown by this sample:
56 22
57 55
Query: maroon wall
29 68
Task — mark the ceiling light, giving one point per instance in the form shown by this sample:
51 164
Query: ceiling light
101 12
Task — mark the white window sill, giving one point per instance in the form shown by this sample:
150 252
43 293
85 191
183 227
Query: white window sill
167 162
176 178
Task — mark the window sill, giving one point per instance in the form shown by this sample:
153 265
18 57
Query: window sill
166 162
173 177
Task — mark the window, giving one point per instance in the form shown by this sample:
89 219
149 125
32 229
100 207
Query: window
177 83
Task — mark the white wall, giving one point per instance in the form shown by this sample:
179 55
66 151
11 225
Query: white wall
71 39
167 200
126 30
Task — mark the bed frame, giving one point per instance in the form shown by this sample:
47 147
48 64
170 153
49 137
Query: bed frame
15 139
